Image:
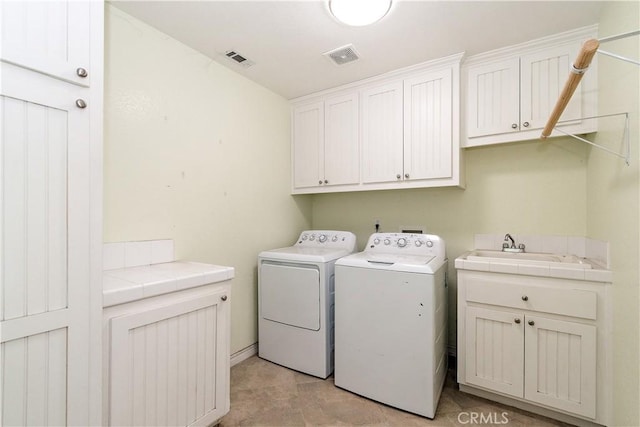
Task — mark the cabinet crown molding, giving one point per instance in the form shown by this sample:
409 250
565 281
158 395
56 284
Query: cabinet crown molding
532 45
430 65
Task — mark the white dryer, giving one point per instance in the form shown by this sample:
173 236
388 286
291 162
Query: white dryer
391 321
295 301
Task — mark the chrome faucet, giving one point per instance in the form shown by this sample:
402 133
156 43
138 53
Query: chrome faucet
511 248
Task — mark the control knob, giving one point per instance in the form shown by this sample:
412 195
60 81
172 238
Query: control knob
334 239
376 241
402 242
418 243
429 243
387 241
322 238
313 237
305 237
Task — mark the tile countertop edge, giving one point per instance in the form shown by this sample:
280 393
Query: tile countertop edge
524 269
125 285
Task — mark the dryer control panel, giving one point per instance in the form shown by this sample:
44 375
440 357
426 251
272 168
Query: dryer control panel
407 244
327 239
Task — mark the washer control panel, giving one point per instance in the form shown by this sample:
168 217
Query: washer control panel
327 239
405 243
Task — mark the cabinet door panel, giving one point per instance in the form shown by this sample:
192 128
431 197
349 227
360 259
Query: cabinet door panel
382 133
560 366
169 364
493 100
494 350
341 163
308 139
543 76
51 37
45 183
427 126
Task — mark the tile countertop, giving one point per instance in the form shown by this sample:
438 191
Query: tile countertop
124 285
550 269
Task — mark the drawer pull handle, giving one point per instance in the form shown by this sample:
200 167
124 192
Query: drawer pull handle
531 322
517 320
223 297
525 298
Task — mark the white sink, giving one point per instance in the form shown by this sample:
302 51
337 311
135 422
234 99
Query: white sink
532 258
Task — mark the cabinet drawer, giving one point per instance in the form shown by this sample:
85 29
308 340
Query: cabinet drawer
566 302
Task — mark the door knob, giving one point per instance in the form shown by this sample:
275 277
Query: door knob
80 103
514 126
531 322
517 320
223 297
398 176
81 72
406 175
525 124
525 298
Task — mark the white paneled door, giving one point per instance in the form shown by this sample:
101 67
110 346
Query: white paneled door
308 137
495 350
428 147
382 127
341 162
169 364
51 37
47 227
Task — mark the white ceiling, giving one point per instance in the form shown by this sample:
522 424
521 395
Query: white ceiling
286 39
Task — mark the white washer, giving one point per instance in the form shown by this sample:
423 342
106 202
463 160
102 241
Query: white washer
391 321
295 301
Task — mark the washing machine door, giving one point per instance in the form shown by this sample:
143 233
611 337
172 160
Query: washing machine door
290 294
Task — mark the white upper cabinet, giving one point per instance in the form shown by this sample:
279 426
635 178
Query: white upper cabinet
51 37
325 143
511 92
382 133
428 121
493 98
400 130
308 137
341 156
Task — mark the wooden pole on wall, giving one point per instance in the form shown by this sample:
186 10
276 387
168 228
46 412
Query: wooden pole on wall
581 65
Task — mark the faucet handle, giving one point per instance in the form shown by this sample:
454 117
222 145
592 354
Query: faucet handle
521 246
505 245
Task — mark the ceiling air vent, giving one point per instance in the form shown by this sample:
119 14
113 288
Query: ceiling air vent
343 55
239 59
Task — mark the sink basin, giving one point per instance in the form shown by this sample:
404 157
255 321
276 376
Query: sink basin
567 261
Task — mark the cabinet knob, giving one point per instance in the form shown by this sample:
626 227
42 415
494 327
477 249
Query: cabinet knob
525 124
525 298
81 72
223 297
326 181
80 103
320 182
531 322
517 320
406 175
514 126
398 176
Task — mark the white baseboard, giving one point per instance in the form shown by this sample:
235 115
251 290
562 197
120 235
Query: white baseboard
244 354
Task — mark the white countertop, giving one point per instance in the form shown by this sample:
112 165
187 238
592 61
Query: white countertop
124 285
594 273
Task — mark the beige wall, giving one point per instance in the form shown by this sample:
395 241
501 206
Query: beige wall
196 153
613 199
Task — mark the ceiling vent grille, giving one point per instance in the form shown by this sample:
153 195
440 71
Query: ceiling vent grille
239 59
343 55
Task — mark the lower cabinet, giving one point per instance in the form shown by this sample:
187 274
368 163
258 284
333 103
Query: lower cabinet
168 359
537 342
540 359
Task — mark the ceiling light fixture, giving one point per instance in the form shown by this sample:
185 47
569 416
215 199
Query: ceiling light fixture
359 12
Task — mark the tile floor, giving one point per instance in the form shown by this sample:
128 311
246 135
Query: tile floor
265 394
